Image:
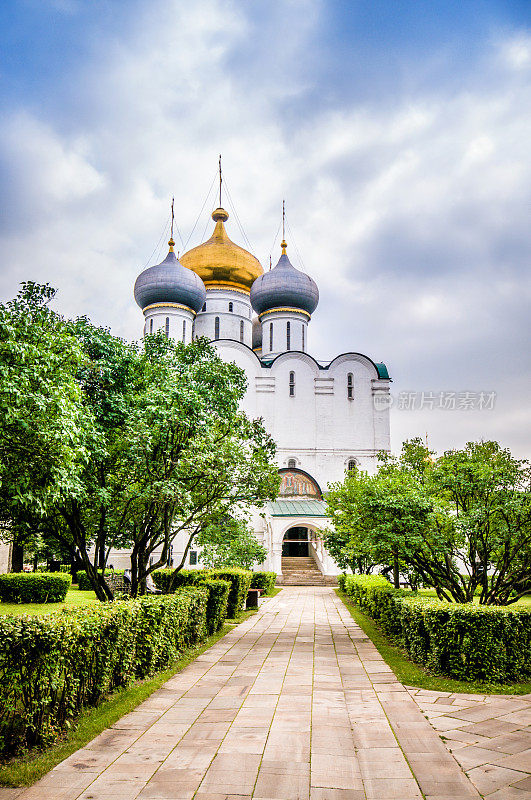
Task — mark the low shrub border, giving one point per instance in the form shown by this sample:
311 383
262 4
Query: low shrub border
34 587
54 665
29 767
264 581
462 641
239 580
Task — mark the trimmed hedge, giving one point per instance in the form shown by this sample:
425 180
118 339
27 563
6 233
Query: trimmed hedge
52 666
83 580
34 587
460 640
218 591
264 581
240 581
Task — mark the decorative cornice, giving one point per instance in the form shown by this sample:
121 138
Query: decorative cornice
169 305
290 310
224 285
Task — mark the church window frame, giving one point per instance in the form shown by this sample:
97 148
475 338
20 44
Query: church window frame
241 330
271 337
204 307
184 331
352 465
151 325
231 307
350 386
302 323
216 328
292 384
167 327
292 463
288 335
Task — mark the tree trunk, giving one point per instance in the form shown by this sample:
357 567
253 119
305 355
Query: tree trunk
396 570
17 557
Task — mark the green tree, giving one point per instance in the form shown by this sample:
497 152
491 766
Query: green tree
42 425
229 543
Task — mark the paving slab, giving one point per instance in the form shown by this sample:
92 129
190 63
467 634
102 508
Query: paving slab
490 738
295 703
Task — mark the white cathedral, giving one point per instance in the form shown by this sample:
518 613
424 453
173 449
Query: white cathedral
326 418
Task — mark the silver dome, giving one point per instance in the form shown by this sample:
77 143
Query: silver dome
170 282
284 286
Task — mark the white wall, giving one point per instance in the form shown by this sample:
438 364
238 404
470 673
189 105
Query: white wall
180 321
298 322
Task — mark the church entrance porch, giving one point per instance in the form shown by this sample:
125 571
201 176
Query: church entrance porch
295 543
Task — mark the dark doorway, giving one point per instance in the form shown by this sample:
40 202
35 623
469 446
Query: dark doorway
295 543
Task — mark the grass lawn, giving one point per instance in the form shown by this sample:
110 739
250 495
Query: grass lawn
74 597
414 675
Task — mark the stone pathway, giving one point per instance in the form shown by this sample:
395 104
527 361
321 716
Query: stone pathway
293 704
489 735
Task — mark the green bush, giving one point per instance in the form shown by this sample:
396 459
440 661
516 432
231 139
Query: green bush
218 591
463 641
34 587
83 580
52 666
264 581
240 581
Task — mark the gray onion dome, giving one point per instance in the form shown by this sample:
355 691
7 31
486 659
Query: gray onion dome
257 334
170 282
284 287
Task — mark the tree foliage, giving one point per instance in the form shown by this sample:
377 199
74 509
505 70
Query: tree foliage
230 543
107 445
460 523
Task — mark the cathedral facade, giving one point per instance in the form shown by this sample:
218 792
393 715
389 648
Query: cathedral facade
325 417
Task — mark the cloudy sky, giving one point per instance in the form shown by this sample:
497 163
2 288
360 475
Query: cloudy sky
398 131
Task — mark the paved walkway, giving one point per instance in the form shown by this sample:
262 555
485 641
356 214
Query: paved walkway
293 704
489 735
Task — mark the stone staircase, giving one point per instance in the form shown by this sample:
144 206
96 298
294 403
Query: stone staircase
302 571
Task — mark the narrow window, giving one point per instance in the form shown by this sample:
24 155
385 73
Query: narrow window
151 325
204 307
350 387
216 328
288 336
271 336
231 307
303 337
292 463
167 327
184 330
292 384
193 557
241 330
352 465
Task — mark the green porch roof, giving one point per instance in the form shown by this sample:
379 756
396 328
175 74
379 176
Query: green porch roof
297 508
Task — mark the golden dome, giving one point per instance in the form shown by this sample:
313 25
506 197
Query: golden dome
220 262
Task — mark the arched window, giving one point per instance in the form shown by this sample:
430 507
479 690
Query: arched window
292 384
216 328
271 336
292 463
352 465
241 330
184 330
288 336
151 325
204 307
302 337
231 307
167 327
350 386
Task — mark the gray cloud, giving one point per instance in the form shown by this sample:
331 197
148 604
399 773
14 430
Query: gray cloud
412 218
